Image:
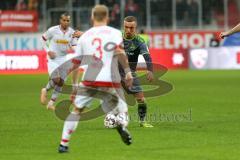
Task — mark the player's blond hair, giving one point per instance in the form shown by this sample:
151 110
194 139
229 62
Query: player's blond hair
100 12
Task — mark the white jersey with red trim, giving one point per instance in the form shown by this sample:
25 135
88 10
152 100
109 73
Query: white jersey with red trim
100 42
60 41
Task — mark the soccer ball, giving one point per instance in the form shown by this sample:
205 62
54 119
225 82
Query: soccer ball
110 121
122 119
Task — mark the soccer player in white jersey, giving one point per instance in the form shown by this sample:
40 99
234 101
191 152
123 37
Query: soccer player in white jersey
93 43
57 41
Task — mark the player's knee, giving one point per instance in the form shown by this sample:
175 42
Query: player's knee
61 82
78 110
58 81
141 100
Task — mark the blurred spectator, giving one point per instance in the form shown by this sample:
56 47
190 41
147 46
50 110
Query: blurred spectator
215 41
21 5
114 12
32 4
3 5
8 4
207 11
192 8
109 3
115 16
164 8
131 8
61 3
83 3
181 10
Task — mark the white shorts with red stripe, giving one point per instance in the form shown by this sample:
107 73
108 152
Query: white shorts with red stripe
110 94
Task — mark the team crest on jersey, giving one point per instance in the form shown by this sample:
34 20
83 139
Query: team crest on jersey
132 47
129 45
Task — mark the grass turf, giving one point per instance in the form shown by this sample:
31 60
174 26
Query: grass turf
29 131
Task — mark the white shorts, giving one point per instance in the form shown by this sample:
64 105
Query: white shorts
112 99
58 68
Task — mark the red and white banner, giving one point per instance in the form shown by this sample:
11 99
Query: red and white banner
19 21
35 62
215 58
181 39
23 62
170 58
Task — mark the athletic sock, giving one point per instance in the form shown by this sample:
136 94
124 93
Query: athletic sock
142 111
50 85
57 90
69 127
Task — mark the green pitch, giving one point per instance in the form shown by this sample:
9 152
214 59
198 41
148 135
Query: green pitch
198 120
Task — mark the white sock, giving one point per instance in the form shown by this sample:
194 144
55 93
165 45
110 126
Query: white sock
69 127
57 90
50 85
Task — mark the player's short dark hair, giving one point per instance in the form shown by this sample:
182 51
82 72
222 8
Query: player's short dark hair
65 14
130 19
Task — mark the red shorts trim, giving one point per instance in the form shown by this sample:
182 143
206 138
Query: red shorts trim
101 84
65 140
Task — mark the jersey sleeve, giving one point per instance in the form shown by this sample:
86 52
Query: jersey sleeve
48 34
146 55
143 49
45 39
118 40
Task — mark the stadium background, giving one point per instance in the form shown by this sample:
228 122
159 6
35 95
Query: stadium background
183 37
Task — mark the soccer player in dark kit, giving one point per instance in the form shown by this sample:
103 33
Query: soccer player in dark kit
134 46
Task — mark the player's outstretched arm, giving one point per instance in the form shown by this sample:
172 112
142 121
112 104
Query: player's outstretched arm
230 32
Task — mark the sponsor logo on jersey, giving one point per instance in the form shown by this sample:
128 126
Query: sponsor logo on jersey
62 41
130 53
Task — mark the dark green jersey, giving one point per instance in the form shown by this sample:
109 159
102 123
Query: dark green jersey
133 48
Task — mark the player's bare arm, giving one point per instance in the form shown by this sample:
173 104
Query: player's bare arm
123 60
230 32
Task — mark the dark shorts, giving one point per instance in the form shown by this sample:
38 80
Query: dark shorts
136 87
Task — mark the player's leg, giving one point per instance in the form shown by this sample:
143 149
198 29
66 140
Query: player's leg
120 109
123 120
136 91
58 82
53 80
142 109
70 125
58 71
50 85
71 122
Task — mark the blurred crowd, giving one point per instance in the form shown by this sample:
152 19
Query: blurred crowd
187 11
19 5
